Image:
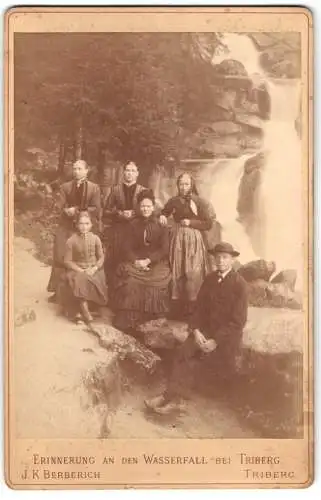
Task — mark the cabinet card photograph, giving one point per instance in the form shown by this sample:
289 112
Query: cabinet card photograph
159 247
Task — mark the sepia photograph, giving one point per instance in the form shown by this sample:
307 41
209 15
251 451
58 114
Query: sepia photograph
159 239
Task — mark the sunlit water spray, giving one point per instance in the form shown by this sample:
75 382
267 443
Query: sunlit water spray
281 190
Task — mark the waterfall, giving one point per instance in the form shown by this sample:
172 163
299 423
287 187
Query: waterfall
162 185
281 195
281 190
221 181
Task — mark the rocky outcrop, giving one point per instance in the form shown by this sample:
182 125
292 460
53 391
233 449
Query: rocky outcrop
266 292
163 334
126 346
236 122
230 67
281 295
242 101
287 277
280 53
248 204
272 331
257 270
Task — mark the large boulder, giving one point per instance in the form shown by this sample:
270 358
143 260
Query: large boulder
257 270
274 330
257 293
228 146
280 295
231 67
126 346
287 276
262 293
280 53
267 330
224 128
163 334
249 119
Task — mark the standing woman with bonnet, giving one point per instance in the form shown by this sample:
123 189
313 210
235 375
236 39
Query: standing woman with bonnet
188 254
75 196
142 281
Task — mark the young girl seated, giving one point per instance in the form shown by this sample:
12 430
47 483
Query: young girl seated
84 280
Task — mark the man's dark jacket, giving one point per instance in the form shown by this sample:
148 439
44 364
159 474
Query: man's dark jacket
221 308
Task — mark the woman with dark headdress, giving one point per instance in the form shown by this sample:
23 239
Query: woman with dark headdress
141 290
188 255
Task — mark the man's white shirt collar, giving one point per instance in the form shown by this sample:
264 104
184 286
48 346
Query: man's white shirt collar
223 275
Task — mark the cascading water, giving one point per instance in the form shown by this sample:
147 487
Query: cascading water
281 183
281 200
281 189
223 178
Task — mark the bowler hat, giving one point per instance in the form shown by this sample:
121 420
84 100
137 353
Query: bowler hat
223 247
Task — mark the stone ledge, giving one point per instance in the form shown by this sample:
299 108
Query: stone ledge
268 330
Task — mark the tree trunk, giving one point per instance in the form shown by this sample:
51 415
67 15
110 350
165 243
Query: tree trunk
101 160
79 140
62 156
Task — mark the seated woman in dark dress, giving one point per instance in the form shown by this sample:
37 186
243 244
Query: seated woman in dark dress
84 280
142 281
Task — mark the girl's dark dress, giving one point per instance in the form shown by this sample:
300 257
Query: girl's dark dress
141 295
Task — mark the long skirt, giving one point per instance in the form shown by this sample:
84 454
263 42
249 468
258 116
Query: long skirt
58 267
113 240
140 295
75 286
189 262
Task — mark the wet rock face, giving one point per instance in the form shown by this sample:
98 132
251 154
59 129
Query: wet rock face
280 295
248 204
277 295
288 277
257 270
257 293
231 67
235 123
103 389
280 53
266 292
243 99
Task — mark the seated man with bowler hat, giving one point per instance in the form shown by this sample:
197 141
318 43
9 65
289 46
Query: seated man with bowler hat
215 329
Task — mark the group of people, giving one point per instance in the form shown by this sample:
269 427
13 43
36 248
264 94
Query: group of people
146 262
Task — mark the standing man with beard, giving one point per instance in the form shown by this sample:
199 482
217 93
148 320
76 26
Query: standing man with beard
119 210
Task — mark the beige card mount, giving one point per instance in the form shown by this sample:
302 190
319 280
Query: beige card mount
224 96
